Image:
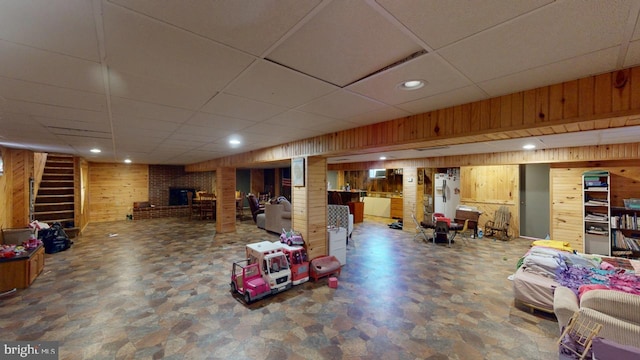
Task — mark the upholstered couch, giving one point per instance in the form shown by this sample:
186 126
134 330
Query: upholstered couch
277 216
617 311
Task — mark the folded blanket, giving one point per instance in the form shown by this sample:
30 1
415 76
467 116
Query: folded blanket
555 244
542 265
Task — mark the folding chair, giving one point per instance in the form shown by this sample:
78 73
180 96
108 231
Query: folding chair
419 229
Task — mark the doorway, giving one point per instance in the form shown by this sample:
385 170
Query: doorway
534 200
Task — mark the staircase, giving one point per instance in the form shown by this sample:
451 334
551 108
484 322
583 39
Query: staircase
55 199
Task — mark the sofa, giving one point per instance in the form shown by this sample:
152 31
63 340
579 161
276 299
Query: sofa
277 215
618 312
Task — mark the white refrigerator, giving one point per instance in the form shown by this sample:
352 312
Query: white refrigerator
446 193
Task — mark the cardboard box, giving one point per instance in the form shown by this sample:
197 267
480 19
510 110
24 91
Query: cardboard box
15 236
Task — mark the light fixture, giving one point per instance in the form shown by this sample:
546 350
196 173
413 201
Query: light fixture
95 150
411 84
383 158
127 161
529 147
234 142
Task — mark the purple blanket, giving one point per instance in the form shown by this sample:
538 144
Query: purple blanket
616 279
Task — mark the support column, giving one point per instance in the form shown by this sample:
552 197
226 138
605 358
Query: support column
225 200
409 197
309 215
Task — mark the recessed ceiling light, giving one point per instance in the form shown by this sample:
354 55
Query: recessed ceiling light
234 142
95 151
383 158
127 161
411 84
529 147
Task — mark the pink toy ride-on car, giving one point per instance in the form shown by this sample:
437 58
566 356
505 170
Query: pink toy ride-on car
291 237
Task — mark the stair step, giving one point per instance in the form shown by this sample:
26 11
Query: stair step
54 197
54 204
55 201
53 191
56 183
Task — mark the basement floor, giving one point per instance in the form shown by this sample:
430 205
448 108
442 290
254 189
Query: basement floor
160 289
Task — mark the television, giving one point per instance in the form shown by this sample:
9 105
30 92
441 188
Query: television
178 196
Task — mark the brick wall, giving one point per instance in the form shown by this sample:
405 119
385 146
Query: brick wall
160 212
162 177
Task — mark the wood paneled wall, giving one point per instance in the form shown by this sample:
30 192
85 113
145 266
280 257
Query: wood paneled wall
410 195
257 181
225 200
566 195
39 162
310 207
488 188
6 186
114 187
21 171
82 201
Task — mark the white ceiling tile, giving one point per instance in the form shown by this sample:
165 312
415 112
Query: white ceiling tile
439 23
444 100
209 131
268 82
149 127
89 126
127 108
273 131
299 120
263 23
153 90
62 26
593 63
345 41
218 122
139 45
439 76
241 108
633 54
51 95
341 104
183 79
56 112
38 66
376 116
539 38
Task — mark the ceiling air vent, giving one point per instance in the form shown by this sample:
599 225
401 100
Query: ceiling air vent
433 148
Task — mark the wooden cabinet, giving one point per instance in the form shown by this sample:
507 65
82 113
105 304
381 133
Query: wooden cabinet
357 209
396 208
20 272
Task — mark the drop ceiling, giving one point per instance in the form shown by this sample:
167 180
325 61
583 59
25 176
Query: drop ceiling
167 83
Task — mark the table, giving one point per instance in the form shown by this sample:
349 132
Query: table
453 229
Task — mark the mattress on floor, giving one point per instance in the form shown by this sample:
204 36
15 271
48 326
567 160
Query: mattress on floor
534 290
